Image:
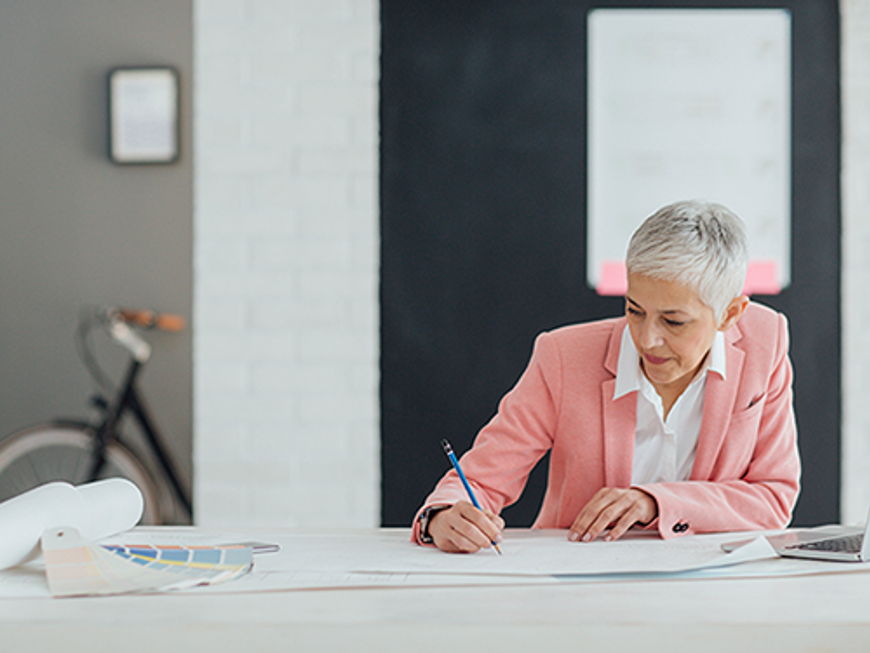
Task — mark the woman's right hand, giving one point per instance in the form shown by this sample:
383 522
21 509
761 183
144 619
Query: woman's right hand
462 528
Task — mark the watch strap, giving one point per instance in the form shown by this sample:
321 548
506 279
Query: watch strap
424 519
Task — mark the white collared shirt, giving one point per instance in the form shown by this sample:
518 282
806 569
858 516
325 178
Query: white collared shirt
664 449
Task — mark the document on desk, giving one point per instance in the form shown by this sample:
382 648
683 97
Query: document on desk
541 552
527 553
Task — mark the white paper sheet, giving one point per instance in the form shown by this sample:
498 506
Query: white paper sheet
526 553
272 581
26 581
549 552
96 510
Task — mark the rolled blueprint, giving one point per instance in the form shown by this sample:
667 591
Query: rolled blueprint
96 510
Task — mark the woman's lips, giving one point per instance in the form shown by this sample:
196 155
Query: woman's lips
655 360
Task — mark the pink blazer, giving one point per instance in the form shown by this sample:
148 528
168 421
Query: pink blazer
746 471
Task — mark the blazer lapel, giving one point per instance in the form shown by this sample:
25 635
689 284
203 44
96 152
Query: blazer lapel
719 396
620 417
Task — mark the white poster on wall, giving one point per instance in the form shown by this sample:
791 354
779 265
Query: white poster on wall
689 104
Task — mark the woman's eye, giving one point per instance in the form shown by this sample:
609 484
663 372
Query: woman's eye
674 323
633 311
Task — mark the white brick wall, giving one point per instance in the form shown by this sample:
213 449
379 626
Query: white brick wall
856 261
285 260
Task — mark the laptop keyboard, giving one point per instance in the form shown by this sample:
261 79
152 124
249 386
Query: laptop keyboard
846 544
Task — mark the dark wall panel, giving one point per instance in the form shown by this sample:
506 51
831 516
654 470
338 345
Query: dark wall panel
483 226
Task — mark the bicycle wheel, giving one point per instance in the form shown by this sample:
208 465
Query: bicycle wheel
58 451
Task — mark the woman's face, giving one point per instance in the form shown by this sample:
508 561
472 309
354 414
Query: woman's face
672 330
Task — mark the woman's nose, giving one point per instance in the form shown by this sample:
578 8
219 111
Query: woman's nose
650 336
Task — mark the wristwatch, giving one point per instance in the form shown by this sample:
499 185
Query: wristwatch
424 519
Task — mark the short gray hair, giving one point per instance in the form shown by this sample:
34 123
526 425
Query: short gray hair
697 243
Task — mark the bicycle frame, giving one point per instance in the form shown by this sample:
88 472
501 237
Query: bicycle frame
129 400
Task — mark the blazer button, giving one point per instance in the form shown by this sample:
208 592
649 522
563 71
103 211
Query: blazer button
685 527
677 528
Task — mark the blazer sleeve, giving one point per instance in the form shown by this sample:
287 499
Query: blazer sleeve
504 452
764 496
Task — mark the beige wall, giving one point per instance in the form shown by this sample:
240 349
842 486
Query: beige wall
74 228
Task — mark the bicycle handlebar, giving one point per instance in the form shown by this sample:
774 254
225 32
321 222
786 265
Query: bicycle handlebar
122 325
148 319
119 320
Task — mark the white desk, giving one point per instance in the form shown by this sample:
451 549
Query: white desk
829 612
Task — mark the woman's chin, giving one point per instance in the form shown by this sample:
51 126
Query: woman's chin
661 377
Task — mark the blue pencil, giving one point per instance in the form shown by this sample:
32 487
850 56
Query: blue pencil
452 457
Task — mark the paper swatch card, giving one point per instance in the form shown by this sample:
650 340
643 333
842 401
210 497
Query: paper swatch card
77 567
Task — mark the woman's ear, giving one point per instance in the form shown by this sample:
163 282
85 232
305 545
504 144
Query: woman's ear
733 312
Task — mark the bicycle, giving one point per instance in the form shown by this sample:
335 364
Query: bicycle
80 451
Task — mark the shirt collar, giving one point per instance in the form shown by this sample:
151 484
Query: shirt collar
628 372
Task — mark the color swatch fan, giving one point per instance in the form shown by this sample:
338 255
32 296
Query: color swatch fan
75 567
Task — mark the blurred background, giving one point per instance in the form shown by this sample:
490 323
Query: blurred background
377 205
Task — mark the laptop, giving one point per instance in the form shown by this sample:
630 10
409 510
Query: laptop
843 543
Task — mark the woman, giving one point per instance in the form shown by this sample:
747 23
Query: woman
676 417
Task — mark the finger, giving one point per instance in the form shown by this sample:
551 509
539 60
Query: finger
454 534
459 543
497 520
453 543
604 519
584 519
442 528
629 518
581 523
469 536
481 521
589 513
469 526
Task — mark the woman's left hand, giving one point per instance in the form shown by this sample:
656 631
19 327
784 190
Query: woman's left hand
615 508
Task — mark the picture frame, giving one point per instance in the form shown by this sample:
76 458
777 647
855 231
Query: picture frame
143 115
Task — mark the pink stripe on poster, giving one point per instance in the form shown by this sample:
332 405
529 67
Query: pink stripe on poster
612 280
761 278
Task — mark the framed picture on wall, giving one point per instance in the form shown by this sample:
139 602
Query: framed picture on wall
143 114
